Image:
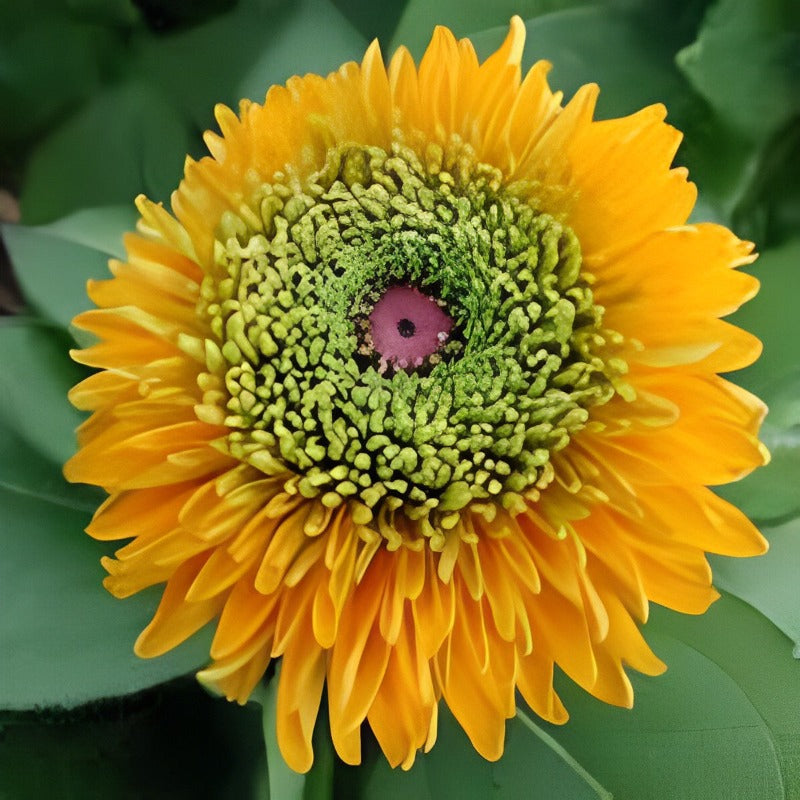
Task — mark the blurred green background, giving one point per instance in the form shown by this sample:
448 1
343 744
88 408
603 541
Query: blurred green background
101 100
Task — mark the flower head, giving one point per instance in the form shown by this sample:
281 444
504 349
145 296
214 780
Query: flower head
418 392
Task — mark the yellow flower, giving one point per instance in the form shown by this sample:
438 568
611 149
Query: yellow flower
419 393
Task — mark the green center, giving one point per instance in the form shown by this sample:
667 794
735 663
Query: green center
289 305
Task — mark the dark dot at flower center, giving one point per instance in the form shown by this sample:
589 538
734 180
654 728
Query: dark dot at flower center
406 328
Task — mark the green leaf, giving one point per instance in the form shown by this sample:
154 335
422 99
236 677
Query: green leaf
64 640
720 723
105 12
315 37
98 228
284 782
35 90
375 780
52 270
745 63
36 376
751 188
165 15
769 582
373 19
532 766
780 191
757 657
723 168
27 474
129 139
134 137
551 765
741 148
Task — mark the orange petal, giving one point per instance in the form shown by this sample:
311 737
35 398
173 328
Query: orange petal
176 619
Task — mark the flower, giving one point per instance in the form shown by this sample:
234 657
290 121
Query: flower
418 391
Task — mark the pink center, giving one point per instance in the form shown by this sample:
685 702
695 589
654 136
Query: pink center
407 327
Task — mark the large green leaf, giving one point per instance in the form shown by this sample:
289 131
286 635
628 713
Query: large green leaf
745 62
116 13
36 375
164 16
743 148
757 657
780 192
533 766
63 639
127 140
769 583
134 136
37 89
98 228
25 473
373 19
316 37
724 167
721 723
53 262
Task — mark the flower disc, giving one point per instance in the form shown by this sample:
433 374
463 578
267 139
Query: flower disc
418 391
294 300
